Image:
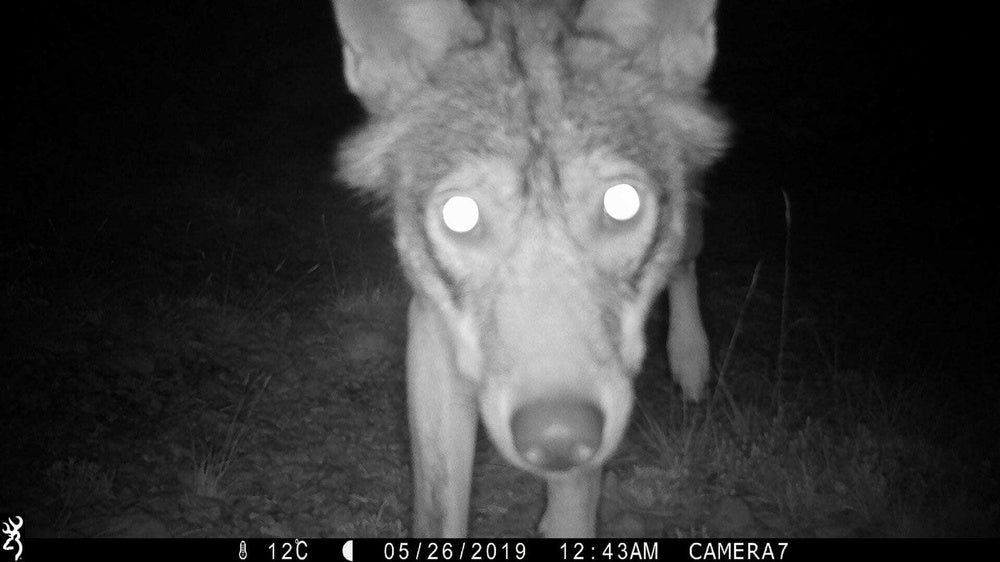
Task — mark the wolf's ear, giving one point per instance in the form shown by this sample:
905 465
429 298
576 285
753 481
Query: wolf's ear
676 36
389 44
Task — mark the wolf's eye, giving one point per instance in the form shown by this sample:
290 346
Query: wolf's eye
621 202
460 213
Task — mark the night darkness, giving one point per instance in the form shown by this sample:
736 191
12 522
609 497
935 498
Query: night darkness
203 333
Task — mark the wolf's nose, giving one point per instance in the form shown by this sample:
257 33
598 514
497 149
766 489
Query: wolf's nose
557 435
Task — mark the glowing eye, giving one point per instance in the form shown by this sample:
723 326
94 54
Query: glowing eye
621 202
461 214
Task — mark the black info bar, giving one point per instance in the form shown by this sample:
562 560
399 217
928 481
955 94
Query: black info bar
587 550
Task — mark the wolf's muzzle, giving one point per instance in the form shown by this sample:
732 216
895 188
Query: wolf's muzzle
557 435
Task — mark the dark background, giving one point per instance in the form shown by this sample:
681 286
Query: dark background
867 114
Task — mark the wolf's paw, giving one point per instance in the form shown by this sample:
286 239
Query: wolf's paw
689 361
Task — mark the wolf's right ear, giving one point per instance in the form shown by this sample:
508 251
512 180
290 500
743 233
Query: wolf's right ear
389 44
677 37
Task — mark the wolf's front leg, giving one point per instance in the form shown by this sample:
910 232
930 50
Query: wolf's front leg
687 344
572 504
443 419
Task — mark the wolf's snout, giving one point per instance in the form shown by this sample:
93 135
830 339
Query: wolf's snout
557 435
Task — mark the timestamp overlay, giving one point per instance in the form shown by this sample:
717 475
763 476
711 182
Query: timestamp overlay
587 550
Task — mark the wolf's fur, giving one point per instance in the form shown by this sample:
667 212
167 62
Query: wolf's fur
533 320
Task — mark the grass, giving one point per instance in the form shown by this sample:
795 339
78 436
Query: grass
212 461
818 450
79 484
847 463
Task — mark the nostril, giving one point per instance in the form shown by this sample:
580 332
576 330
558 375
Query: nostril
557 435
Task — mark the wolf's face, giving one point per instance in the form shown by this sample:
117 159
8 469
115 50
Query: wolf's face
541 163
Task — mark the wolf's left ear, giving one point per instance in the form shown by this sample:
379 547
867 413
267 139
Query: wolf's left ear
675 36
389 44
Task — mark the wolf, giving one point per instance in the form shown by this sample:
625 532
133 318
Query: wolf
541 161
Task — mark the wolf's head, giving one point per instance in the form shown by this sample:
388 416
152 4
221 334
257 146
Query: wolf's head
540 160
